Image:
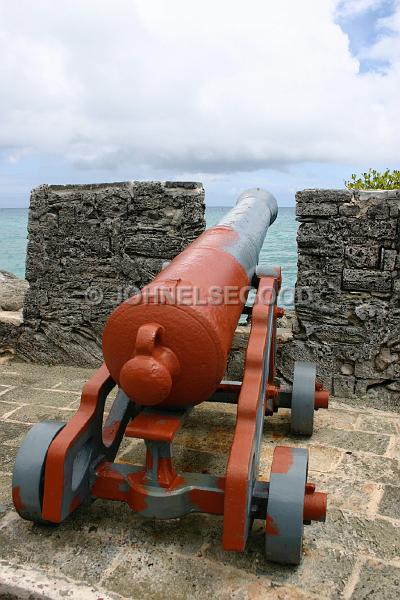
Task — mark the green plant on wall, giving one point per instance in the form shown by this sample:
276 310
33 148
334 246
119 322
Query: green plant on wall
374 180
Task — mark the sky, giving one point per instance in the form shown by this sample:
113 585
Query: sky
284 95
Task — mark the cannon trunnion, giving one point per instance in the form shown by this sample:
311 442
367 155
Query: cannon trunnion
166 349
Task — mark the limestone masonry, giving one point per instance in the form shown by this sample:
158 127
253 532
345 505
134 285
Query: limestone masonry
348 292
90 247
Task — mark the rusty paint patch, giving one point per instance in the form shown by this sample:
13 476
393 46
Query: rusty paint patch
270 527
110 483
179 481
137 493
107 469
17 500
283 459
166 474
208 501
149 459
152 427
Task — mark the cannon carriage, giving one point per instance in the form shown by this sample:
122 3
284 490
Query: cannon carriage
166 350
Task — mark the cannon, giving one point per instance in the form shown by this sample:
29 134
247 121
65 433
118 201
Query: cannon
165 351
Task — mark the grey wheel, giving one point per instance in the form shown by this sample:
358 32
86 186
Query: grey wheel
303 398
285 507
28 474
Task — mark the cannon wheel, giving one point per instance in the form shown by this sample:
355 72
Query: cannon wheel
28 474
284 525
303 398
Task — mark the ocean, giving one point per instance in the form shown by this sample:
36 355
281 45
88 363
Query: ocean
279 247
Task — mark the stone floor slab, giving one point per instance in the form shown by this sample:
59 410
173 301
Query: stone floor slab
378 581
39 396
12 434
357 440
7 408
367 467
390 503
378 424
70 378
34 414
347 494
357 534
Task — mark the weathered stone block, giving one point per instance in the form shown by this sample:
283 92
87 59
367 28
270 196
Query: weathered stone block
393 201
388 259
334 334
9 334
348 228
367 280
362 256
380 397
12 291
347 369
385 358
396 287
378 211
349 210
343 386
323 209
321 196
371 311
310 234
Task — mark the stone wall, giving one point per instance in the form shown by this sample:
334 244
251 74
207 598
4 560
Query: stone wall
348 292
90 247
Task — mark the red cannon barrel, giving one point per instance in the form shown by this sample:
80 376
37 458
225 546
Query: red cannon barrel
168 344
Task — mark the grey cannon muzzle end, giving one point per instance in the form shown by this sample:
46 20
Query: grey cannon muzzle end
255 210
259 195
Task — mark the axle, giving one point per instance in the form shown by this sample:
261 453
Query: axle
186 493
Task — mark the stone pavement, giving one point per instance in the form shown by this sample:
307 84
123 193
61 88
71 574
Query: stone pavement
106 551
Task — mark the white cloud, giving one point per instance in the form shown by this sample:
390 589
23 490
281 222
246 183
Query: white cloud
351 8
193 86
387 47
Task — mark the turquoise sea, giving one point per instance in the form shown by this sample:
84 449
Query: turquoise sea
13 232
279 246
